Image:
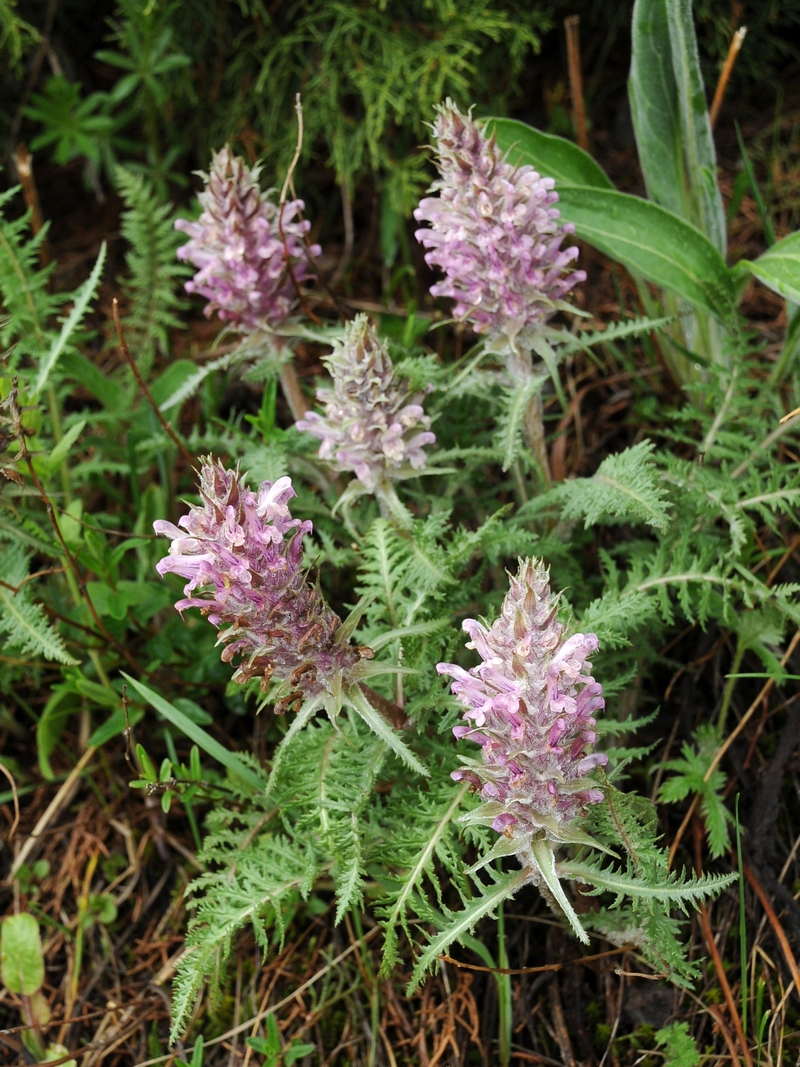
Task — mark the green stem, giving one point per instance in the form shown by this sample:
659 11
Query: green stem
728 694
504 1003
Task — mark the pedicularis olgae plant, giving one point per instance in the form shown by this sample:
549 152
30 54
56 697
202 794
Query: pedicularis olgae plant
322 568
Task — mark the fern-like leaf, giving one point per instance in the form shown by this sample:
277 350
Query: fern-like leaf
21 619
625 489
153 269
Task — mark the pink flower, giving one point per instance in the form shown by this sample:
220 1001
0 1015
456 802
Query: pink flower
371 425
495 234
242 553
530 706
237 246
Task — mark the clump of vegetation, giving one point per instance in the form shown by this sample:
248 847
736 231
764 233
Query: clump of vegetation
339 759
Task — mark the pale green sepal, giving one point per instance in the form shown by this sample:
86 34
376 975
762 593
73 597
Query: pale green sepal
484 814
348 627
573 835
503 846
546 861
356 699
353 491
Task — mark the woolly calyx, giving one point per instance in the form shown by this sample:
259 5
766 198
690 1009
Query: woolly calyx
236 244
371 425
495 234
529 705
242 553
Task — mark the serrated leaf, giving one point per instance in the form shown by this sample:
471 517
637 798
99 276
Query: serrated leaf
624 488
463 922
23 620
83 298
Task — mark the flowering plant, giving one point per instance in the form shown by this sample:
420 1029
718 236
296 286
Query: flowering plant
249 251
372 427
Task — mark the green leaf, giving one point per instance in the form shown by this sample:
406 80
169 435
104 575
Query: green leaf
463 921
673 132
58 455
379 726
708 213
23 620
542 852
624 488
296 1051
778 268
21 960
82 300
198 735
653 96
109 392
551 156
114 726
652 242
679 1046
51 725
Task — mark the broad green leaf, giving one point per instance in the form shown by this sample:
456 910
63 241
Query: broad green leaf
82 300
109 392
673 133
652 242
21 961
51 724
653 96
58 455
197 734
708 213
551 156
779 267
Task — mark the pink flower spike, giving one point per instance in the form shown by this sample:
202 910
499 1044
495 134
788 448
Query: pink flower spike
245 264
372 426
532 696
495 234
242 554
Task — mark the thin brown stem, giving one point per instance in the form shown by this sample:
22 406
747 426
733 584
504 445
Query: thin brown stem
711 944
725 74
572 27
786 949
123 344
30 193
19 434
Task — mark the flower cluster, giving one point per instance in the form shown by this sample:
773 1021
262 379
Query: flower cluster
530 706
242 553
245 263
371 425
494 232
